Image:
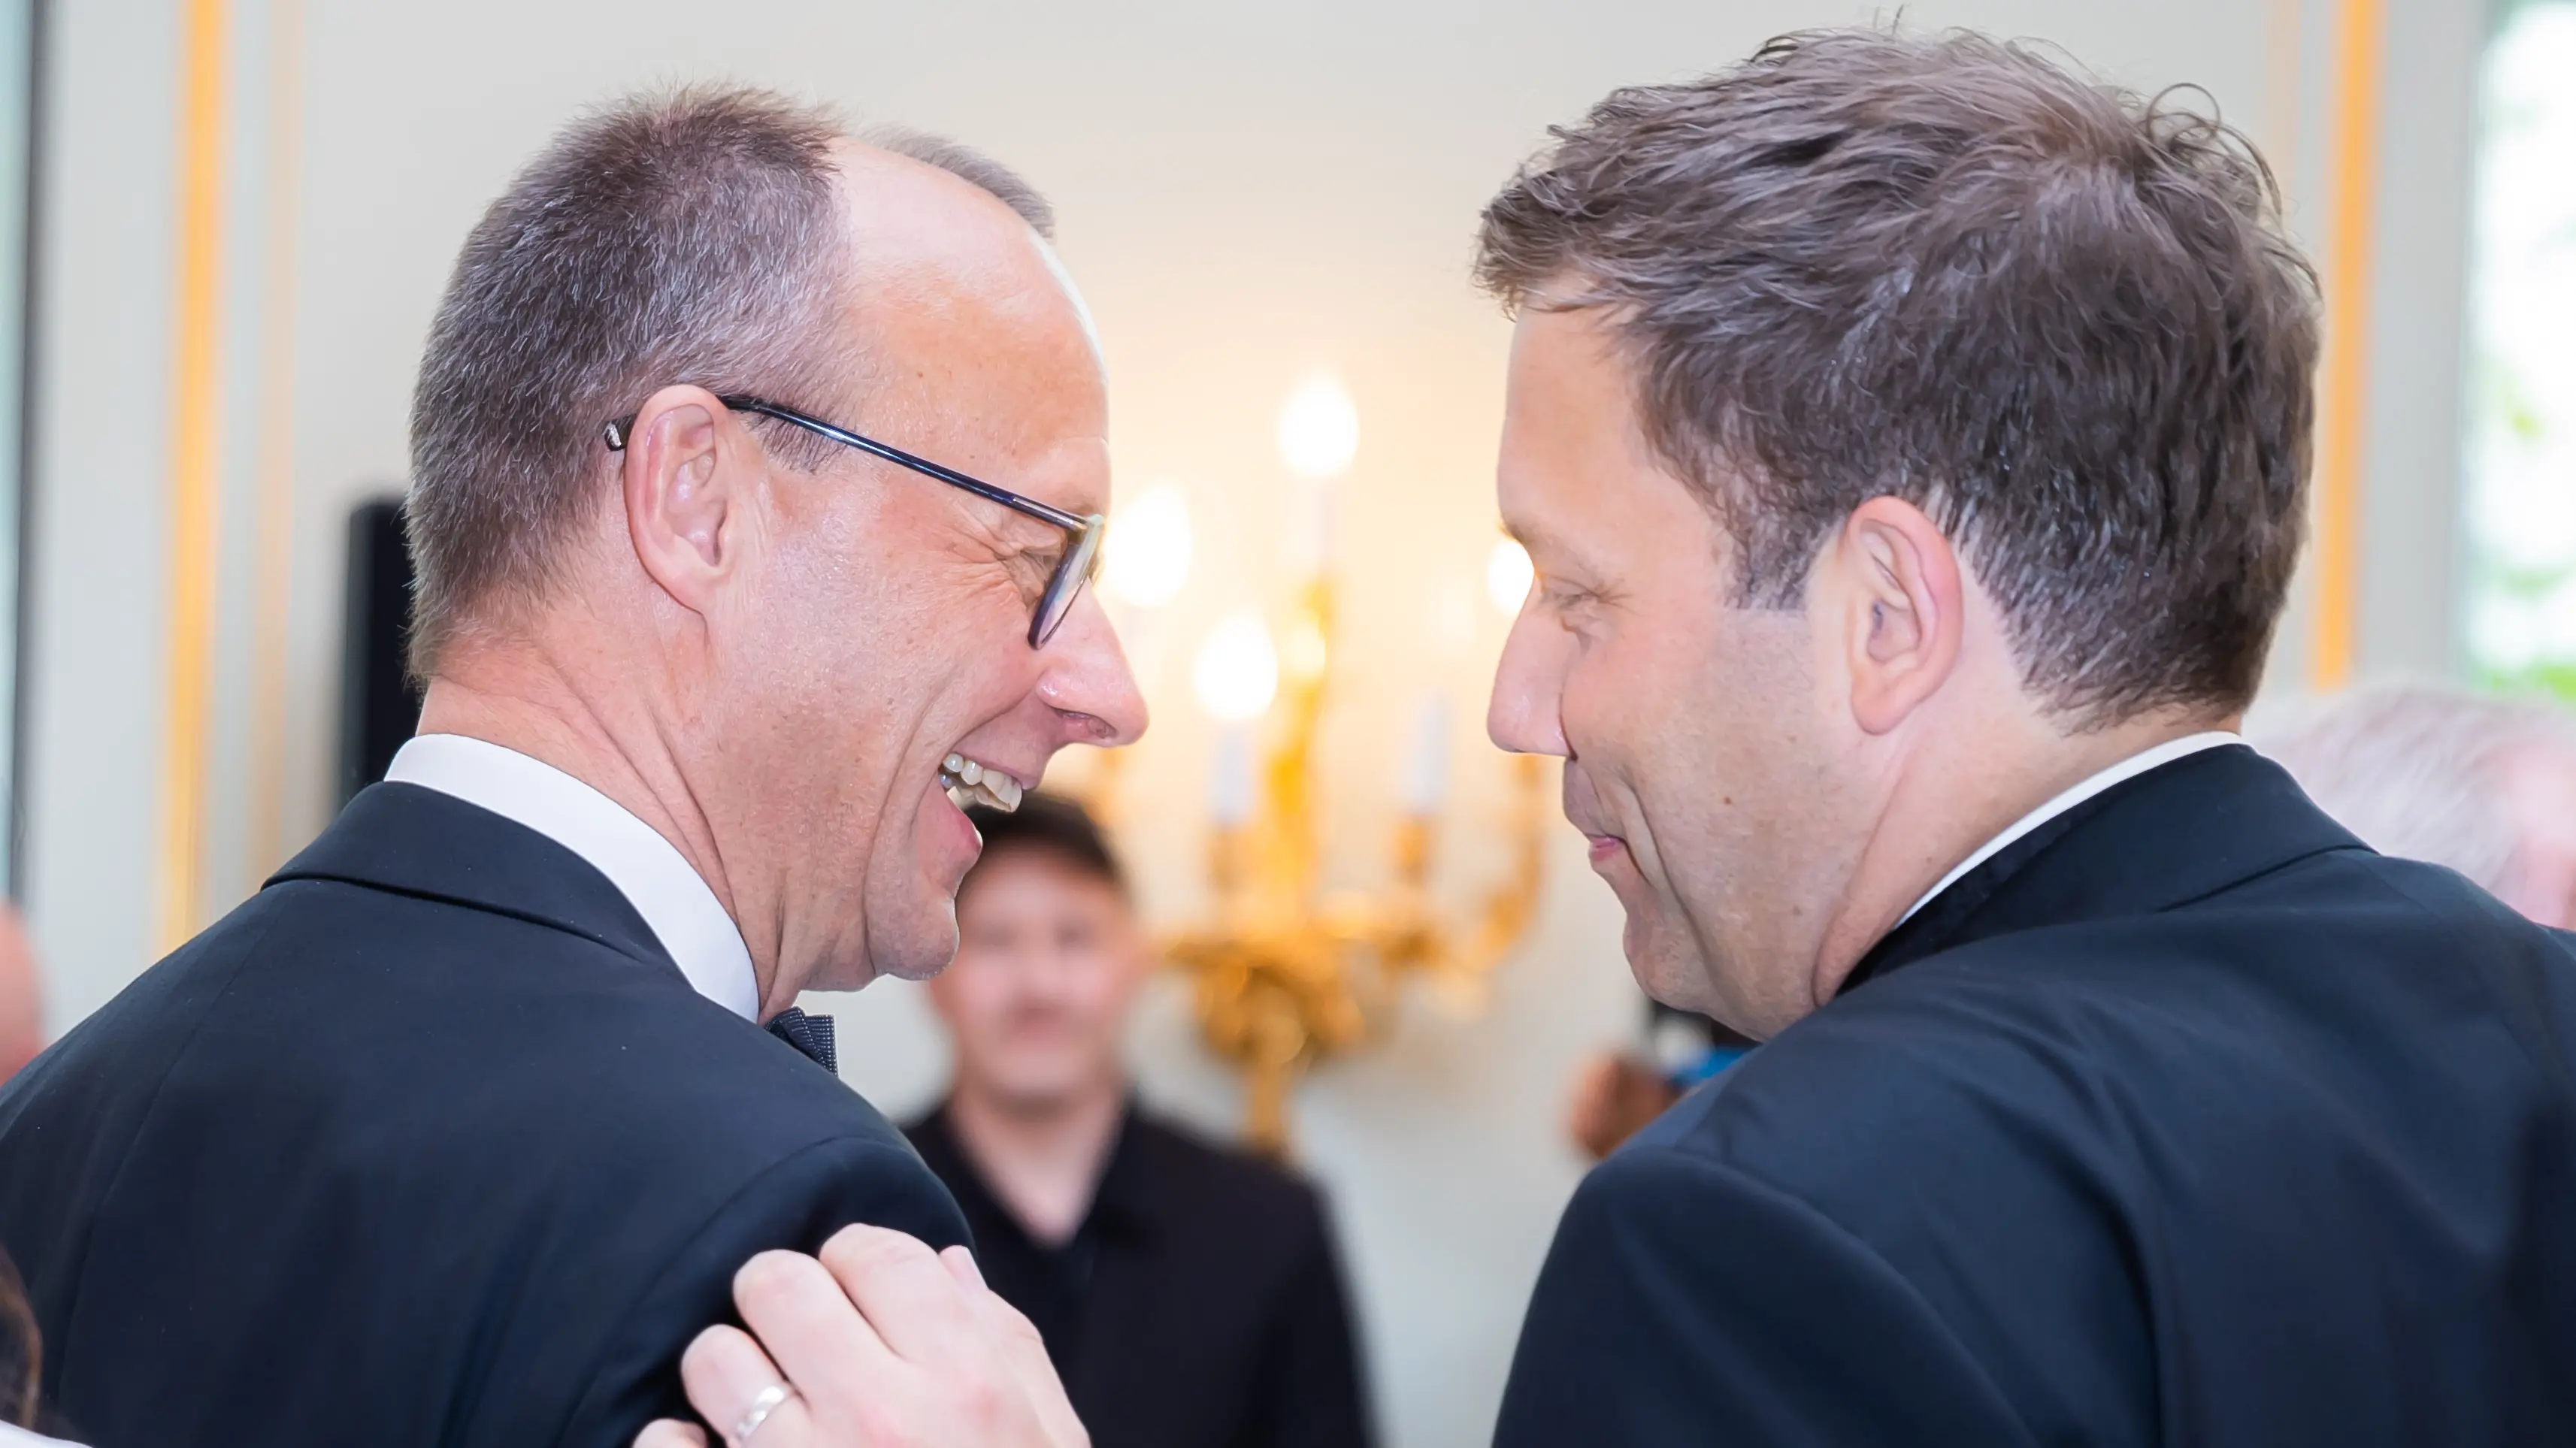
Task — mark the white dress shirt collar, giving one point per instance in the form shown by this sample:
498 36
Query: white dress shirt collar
2129 768
647 869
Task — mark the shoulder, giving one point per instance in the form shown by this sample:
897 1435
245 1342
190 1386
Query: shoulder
2029 1065
367 1021
1712 1297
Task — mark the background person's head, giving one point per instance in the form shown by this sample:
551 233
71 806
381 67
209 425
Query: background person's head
785 633
2483 786
1049 961
1902 428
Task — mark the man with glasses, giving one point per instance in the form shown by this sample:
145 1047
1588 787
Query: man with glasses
460 1129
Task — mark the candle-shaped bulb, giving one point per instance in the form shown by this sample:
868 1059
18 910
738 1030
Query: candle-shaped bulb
1319 428
1148 549
1230 786
1238 670
1426 772
1507 576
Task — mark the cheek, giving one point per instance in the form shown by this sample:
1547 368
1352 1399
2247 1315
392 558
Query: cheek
1625 708
1105 991
1603 704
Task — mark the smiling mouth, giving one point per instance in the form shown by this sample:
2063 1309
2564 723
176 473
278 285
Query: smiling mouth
970 783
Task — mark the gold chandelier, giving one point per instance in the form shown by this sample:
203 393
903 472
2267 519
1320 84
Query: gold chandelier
1286 974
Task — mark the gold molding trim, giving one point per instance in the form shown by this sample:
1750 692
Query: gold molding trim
194 471
2360 62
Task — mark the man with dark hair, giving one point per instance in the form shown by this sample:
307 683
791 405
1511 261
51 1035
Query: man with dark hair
462 1127
1911 438
1190 1296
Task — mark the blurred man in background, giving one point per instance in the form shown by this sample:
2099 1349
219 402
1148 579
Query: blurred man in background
1617 1092
2484 786
1190 1295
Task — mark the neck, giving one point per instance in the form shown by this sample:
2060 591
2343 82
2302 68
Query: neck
1948 802
522 696
1043 1160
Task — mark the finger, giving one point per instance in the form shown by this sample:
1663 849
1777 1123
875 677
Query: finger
1023 1350
726 1372
809 1327
914 1302
670 1433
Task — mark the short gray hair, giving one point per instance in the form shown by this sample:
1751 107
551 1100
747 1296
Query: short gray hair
2417 771
686 237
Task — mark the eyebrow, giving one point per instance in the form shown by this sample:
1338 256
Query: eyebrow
1533 539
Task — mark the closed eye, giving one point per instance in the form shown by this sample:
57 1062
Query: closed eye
1560 595
1031 567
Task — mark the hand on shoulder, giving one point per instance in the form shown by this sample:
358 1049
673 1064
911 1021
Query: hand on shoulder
878 1343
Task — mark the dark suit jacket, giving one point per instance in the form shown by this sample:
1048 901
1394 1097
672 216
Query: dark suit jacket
427 1143
1199 1304
2186 1120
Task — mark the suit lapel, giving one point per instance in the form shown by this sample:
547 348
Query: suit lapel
2177 833
416 841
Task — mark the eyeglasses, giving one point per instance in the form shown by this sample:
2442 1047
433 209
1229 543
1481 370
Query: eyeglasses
1083 535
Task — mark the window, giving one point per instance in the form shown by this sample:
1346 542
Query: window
18 49
2520 448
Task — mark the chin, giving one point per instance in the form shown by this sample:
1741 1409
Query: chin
1665 967
920 952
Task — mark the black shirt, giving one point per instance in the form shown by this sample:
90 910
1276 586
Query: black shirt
1199 1304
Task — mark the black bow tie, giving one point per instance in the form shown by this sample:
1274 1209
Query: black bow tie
810 1034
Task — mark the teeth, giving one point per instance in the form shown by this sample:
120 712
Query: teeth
969 783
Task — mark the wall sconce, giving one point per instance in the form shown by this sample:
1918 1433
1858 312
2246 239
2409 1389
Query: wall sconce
1287 973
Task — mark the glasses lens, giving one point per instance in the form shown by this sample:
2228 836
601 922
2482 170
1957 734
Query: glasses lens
1066 586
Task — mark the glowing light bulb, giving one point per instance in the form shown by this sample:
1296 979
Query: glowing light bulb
1238 670
1319 428
1149 549
1507 576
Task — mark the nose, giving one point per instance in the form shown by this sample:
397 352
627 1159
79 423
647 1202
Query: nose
1526 714
1087 680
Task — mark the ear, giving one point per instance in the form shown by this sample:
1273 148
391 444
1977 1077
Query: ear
1902 606
689 473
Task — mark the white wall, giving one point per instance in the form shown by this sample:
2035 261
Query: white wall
1246 193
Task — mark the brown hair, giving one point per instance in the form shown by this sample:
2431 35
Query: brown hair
1046 824
2059 317
690 237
